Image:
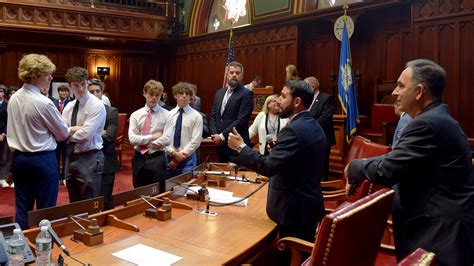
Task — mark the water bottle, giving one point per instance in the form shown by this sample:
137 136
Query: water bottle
16 247
43 247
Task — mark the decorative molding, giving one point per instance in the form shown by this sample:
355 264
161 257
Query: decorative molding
241 40
83 21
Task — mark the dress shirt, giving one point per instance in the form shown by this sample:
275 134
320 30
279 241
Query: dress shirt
314 100
106 101
249 86
191 131
91 117
159 118
34 123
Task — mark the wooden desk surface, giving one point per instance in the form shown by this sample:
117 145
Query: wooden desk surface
234 236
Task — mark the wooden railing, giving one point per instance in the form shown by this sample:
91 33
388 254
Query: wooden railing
102 18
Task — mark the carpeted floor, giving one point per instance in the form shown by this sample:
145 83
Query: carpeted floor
123 182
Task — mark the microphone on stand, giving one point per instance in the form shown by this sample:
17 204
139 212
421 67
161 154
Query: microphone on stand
54 236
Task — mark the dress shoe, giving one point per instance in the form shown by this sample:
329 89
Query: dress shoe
4 183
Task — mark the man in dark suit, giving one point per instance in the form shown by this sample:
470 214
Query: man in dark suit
232 107
96 87
322 109
60 103
430 170
294 165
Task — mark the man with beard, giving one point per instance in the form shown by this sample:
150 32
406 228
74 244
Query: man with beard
294 165
232 107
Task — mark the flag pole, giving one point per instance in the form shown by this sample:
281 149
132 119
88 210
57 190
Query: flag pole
228 47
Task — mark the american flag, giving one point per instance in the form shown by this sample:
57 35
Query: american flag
230 58
231 53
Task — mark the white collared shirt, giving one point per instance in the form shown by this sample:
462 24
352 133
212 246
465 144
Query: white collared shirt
314 99
34 122
91 116
159 118
191 131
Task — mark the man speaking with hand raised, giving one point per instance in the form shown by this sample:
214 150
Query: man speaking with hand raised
294 166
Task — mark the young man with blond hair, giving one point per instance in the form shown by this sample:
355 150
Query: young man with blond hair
34 126
146 133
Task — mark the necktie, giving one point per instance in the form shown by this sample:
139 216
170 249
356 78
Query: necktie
146 129
61 107
74 113
177 129
227 95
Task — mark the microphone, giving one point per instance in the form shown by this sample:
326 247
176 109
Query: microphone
55 237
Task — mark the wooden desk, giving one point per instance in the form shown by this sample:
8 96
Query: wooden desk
235 236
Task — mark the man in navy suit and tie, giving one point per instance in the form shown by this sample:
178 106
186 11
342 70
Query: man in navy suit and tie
322 109
232 107
294 165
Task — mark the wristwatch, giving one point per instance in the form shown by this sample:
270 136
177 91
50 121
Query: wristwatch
241 147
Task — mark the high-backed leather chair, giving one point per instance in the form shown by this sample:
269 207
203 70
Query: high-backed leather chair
351 235
381 113
122 126
360 148
419 257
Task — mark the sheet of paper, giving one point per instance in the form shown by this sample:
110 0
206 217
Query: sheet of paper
213 192
145 255
218 172
230 199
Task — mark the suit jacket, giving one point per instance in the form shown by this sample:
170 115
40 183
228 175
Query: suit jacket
56 103
3 117
236 114
295 168
197 104
323 111
111 124
434 201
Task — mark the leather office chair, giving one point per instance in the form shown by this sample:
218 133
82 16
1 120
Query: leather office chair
381 113
360 148
419 257
350 235
122 126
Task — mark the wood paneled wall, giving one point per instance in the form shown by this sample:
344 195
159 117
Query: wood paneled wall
263 51
131 64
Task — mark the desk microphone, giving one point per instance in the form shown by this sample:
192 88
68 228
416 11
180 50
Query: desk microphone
55 237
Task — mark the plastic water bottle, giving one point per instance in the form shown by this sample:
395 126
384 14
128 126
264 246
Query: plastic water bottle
16 247
43 247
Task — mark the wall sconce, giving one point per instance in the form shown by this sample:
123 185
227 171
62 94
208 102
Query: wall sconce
102 72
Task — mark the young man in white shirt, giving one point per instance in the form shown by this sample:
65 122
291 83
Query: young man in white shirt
185 129
145 132
34 126
85 160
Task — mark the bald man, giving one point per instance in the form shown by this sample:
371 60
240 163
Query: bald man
322 109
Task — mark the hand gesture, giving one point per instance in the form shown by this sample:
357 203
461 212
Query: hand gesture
235 140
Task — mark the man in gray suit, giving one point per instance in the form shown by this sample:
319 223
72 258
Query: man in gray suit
430 170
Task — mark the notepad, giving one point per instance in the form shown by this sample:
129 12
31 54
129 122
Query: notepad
144 255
